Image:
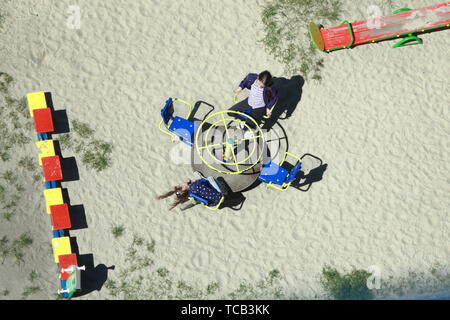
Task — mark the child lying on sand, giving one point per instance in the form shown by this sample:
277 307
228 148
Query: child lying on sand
208 190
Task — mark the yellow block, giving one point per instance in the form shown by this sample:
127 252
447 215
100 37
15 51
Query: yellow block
47 149
61 246
36 100
52 197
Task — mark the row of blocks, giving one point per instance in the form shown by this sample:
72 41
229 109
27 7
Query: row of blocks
55 206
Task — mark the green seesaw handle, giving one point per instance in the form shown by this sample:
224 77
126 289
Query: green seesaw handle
408 41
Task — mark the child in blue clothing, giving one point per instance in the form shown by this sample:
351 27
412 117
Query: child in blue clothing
208 190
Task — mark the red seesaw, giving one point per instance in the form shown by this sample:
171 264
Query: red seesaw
404 23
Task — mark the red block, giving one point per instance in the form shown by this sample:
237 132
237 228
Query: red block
60 216
65 261
43 120
52 168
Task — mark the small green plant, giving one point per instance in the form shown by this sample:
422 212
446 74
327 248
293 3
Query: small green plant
4 248
65 141
82 129
9 176
348 286
2 192
30 290
212 288
37 177
4 155
117 231
33 276
21 108
8 215
28 163
162 272
5 79
5 292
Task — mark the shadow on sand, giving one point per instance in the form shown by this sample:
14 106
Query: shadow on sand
289 96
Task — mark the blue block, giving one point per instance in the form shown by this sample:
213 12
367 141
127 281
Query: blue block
64 287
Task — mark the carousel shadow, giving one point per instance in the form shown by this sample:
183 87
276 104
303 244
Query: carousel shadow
289 95
201 110
315 175
233 200
312 171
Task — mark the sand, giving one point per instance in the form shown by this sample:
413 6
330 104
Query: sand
379 120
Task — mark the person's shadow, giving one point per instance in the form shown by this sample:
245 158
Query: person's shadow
289 95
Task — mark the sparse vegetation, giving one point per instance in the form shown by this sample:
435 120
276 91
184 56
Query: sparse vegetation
30 290
98 156
95 154
353 285
263 289
348 286
160 284
2 19
416 283
8 249
287 37
28 162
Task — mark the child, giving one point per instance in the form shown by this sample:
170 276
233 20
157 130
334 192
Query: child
262 96
208 190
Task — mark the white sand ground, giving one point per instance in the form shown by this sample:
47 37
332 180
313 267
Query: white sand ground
379 119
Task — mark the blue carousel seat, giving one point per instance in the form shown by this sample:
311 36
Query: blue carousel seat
275 175
177 126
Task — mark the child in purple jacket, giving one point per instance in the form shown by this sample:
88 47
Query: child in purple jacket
262 96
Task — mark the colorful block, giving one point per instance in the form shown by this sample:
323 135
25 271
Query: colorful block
65 261
43 120
47 149
60 216
53 197
36 100
61 246
52 168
